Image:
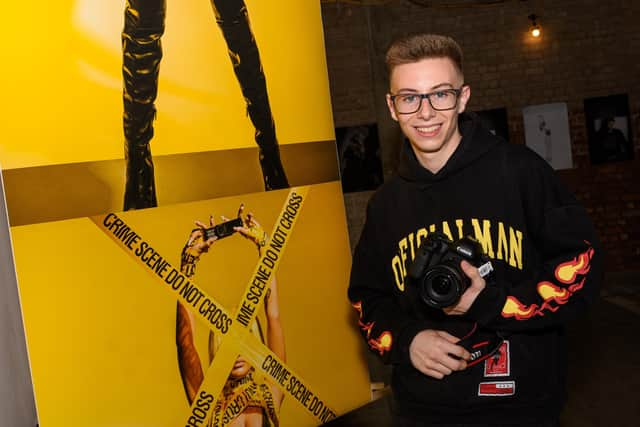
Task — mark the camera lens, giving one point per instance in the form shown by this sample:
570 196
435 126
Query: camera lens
441 285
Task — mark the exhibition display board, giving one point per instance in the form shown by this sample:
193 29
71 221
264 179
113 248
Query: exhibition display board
158 124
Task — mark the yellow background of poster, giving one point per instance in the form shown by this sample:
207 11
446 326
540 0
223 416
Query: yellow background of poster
62 74
101 330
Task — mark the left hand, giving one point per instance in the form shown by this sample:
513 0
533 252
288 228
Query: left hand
469 295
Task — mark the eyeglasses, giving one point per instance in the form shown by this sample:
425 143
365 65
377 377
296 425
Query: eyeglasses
440 100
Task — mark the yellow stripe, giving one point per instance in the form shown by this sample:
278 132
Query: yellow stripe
271 255
265 361
211 388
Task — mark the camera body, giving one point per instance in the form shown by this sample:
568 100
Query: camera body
436 268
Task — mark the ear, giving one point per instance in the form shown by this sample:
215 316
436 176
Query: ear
464 98
392 110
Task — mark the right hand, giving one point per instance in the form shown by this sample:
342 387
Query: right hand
435 353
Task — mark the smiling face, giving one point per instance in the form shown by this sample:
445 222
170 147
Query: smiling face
433 134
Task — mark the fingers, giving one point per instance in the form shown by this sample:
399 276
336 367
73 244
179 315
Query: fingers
206 245
437 371
453 357
434 353
251 220
240 210
454 349
193 236
447 336
443 369
433 373
471 271
444 365
460 353
196 238
477 283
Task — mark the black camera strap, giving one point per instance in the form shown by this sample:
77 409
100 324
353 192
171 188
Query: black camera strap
481 344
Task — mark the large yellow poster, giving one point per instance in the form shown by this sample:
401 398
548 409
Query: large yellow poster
177 220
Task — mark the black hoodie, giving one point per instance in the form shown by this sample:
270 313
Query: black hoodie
547 264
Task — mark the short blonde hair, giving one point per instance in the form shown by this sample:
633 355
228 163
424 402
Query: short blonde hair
416 47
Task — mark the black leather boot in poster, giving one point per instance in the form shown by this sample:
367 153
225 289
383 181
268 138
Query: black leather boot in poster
142 52
233 19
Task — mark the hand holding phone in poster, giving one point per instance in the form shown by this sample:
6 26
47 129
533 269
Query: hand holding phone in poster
202 238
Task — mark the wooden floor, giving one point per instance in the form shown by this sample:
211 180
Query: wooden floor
604 368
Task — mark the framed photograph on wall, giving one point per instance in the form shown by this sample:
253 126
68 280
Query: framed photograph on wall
359 154
608 130
496 121
546 131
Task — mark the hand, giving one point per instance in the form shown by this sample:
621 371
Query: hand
435 353
196 245
470 294
251 229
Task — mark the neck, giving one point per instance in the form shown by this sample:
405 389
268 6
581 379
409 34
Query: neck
434 161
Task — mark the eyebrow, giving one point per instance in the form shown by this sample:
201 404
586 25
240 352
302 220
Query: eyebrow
438 86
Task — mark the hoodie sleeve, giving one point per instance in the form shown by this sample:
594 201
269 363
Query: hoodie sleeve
387 327
567 266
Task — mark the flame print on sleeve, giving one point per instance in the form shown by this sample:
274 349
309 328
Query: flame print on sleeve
568 271
383 342
553 296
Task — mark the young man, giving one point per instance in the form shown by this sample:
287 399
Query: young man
457 179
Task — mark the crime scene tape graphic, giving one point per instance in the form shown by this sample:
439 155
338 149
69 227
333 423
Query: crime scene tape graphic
283 376
235 329
202 305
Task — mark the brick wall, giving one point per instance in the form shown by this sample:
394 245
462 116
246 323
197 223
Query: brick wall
588 48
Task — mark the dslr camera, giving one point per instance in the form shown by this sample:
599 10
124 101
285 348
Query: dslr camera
436 268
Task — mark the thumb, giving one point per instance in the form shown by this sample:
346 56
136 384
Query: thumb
477 282
469 270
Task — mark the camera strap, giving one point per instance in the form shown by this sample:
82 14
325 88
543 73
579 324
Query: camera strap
481 344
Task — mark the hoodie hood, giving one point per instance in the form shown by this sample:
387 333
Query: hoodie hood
476 141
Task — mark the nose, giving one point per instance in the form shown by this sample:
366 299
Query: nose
426 110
